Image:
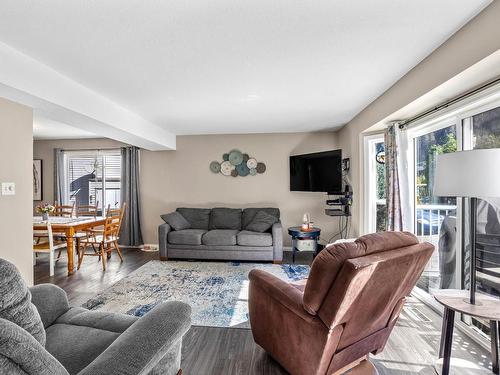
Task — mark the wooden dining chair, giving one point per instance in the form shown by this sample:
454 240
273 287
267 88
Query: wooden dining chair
64 210
88 210
103 242
117 211
46 243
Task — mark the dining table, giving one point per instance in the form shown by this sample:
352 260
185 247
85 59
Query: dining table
68 226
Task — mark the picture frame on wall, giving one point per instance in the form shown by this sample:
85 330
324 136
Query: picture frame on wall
37 180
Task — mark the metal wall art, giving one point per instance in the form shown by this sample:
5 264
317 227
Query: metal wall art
235 164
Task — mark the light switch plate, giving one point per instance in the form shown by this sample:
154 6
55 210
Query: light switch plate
8 188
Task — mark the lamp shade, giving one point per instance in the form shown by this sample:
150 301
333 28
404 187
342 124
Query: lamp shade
474 173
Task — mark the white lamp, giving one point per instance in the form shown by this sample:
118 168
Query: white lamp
469 174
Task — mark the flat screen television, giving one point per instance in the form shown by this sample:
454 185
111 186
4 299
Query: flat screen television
320 171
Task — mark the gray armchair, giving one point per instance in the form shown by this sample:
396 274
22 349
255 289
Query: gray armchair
79 341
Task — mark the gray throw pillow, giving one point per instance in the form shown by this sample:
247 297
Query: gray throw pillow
176 221
15 302
261 222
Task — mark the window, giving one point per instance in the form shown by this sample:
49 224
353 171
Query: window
375 213
444 221
482 130
93 177
433 215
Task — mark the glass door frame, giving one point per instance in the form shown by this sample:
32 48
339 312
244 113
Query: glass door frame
415 132
369 176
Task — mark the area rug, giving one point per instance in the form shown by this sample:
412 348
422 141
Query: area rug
216 291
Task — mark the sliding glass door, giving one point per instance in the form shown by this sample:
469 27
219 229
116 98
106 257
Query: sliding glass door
444 221
483 131
435 217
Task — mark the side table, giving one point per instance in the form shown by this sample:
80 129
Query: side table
298 234
486 307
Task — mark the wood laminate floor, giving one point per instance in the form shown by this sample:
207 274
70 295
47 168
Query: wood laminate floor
412 348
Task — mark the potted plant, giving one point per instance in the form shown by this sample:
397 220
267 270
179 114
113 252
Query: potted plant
45 209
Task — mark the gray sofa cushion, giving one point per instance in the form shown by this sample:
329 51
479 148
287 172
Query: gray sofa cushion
220 237
261 222
108 321
186 236
197 217
248 238
15 302
176 220
249 214
76 346
225 218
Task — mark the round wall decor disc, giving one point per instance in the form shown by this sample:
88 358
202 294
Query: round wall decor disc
234 173
253 172
225 157
235 157
252 163
215 167
245 157
242 169
226 168
261 168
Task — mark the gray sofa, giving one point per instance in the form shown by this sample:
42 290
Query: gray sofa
221 234
41 334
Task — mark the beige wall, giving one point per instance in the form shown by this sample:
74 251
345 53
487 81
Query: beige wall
170 179
16 165
471 44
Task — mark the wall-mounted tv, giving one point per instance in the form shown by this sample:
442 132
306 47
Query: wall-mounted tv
320 171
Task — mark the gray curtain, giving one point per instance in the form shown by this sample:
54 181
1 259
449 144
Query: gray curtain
392 182
131 234
59 175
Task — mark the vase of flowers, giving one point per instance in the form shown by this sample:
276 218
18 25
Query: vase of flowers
45 209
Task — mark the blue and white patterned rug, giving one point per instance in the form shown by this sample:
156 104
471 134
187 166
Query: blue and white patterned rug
216 291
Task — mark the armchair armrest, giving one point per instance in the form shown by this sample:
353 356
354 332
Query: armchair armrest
277 232
143 345
280 291
50 301
21 353
163 231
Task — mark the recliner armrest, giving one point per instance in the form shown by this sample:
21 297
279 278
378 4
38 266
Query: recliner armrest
50 301
141 347
279 290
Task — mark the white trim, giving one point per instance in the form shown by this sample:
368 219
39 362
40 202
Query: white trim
465 108
369 215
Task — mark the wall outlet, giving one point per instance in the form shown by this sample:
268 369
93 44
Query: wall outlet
8 188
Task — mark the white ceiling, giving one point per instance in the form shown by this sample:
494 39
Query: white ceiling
234 66
44 128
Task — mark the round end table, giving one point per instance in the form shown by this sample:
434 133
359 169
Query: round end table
456 300
298 233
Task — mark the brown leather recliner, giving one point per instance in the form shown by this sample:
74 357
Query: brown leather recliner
347 309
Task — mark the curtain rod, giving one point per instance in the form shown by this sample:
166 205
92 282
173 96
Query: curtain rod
92 149
404 123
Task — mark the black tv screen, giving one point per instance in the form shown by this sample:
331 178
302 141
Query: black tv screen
321 171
